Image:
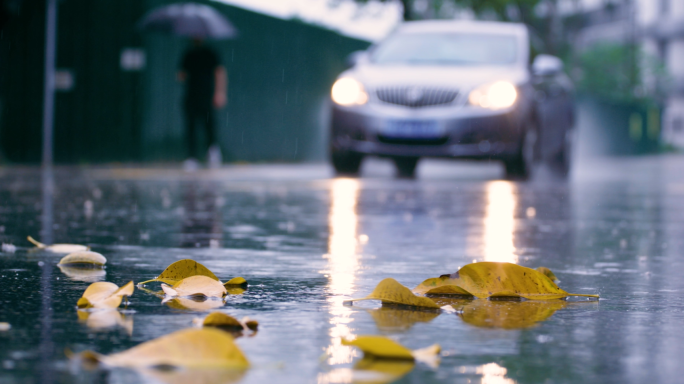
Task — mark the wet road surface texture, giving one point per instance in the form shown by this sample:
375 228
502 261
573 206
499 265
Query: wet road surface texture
306 242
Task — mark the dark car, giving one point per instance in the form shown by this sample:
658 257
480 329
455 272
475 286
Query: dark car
453 89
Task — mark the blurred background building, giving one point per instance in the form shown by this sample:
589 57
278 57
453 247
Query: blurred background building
117 99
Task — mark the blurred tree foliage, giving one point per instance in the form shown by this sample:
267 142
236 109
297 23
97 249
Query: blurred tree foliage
621 73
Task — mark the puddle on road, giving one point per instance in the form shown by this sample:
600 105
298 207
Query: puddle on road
305 247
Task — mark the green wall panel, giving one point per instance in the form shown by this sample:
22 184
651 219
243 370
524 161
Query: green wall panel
280 73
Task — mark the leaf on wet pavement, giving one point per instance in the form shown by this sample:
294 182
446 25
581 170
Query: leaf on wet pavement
187 348
58 248
390 291
494 279
104 295
185 268
382 347
198 285
84 259
507 314
180 270
221 320
228 323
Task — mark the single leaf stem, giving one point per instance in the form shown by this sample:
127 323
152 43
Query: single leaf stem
36 242
583 295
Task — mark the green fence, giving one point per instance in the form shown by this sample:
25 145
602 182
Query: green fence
280 73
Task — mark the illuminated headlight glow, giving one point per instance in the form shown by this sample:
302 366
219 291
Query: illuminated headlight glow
501 94
347 91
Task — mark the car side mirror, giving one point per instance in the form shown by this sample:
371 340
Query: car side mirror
547 65
355 58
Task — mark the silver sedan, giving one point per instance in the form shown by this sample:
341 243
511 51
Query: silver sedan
452 90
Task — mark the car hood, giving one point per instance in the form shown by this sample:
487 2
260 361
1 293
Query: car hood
374 76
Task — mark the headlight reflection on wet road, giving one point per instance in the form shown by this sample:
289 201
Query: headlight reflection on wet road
343 263
499 222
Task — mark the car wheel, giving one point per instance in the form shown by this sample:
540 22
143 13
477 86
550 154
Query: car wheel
520 167
562 161
346 163
406 167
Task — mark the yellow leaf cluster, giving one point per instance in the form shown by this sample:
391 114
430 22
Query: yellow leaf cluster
492 279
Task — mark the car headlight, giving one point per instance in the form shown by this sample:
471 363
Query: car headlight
347 91
501 94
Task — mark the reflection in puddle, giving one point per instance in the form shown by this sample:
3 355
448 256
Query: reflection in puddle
343 263
88 275
195 376
499 222
491 373
388 318
191 304
105 319
507 314
369 371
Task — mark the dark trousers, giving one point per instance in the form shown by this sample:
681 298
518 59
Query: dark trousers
193 116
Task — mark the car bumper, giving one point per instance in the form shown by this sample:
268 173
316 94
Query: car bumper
474 134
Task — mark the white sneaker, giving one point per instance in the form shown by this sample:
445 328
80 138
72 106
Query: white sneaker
191 165
214 157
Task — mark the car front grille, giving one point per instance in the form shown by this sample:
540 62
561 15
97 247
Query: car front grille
416 97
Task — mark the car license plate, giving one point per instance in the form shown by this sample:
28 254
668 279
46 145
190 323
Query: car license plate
415 129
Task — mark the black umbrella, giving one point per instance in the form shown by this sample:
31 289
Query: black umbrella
189 19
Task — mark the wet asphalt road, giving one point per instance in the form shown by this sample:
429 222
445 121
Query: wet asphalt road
306 242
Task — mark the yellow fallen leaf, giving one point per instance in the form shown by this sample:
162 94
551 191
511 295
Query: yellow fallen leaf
390 318
88 275
390 291
5 326
493 279
84 259
251 324
235 281
185 268
508 314
197 285
104 295
548 274
221 320
58 248
180 270
187 348
382 347
105 319
228 323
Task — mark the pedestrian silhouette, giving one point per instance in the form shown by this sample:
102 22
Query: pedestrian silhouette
205 90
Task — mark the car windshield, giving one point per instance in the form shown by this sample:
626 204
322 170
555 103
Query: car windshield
447 49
